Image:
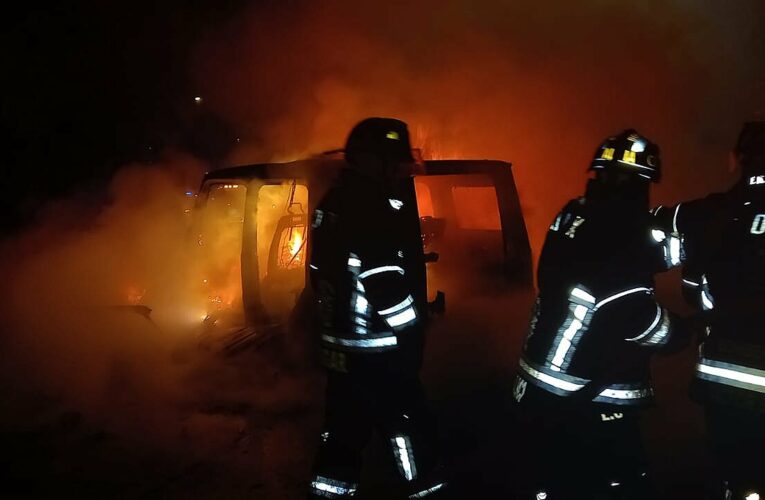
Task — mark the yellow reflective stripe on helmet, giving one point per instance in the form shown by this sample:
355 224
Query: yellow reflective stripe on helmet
608 154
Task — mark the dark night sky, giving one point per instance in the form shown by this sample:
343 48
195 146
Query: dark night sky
88 86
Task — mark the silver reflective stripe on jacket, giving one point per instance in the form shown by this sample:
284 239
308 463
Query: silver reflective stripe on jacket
367 343
707 301
731 374
359 306
564 384
672 247
657 334
616 296
580 307
381 269
557 383
624 394
690 283
400 315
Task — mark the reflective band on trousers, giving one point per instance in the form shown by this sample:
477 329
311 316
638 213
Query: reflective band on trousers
402 449
332 488
615 393
731 374
366 343
427 492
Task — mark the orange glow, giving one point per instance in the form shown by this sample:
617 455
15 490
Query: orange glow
476 207
282 234
135 295
293 249
296 245
503 92
424 199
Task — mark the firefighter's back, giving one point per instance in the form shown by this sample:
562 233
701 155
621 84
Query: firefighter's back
600 249
725 241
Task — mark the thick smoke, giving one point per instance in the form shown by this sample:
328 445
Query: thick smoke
537 84
67 331
89 371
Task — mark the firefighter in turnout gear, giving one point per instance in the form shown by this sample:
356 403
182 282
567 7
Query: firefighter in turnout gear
724 276
584 370
367 273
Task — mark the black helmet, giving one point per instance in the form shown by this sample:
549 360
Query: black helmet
750 147
629 152
384 138
751 140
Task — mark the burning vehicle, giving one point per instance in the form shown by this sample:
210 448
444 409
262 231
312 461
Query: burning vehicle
251 226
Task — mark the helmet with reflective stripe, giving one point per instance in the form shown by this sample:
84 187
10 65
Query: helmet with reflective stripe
629 152
384 138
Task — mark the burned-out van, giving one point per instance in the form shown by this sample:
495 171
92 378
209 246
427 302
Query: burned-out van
252 229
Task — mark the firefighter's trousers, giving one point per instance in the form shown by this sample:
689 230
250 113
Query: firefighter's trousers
393 405
582 452
737 441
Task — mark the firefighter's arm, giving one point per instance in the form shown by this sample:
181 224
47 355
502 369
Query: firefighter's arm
549 267
691 285
666 236
687 221
325 245
381 274
649 324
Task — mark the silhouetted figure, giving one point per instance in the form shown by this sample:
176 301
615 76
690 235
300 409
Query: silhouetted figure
724 276
584 371
371 323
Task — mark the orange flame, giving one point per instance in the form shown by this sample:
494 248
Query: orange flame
296 246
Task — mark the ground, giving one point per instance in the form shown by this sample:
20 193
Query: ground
246 426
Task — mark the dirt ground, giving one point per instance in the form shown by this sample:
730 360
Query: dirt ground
247 425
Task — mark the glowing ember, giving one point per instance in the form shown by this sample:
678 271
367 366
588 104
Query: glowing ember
135 295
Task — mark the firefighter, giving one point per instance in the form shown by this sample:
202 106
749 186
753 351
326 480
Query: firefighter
584 374
724 276
365 277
